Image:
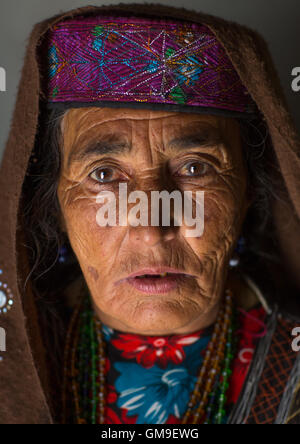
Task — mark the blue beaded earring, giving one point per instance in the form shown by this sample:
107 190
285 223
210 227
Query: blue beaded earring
63 254
239 249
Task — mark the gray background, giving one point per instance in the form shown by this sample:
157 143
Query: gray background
277 20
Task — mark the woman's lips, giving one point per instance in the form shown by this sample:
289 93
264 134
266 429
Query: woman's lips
155 284
156 280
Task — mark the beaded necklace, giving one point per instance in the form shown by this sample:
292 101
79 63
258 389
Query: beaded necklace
84 369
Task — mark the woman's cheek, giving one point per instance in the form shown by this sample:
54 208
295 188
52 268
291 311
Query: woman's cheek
220 224
219 211
86 237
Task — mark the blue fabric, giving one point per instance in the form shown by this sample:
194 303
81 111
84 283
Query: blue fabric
152 395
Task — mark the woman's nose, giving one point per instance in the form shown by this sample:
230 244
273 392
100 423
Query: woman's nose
151 235
158 224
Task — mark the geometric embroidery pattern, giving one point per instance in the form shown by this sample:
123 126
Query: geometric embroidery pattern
141 60
278 366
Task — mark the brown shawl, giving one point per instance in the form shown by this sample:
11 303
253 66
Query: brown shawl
23 398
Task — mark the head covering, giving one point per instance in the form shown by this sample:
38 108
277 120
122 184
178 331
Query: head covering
126 61
24 393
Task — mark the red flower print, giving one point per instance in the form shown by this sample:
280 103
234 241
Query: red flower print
111 416
151 350
173 420
127 419
107 365
111 396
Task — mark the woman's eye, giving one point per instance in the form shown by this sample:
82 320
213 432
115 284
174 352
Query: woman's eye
104 175
193 169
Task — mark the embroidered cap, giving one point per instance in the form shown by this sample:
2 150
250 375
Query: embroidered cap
106 61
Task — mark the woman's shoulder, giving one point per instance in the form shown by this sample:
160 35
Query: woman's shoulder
272 390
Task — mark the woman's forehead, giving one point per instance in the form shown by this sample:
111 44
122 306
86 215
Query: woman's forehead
90 120
84 128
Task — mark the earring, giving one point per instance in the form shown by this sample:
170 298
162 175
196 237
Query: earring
63 254
239 249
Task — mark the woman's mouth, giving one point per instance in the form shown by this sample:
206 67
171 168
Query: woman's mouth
157 282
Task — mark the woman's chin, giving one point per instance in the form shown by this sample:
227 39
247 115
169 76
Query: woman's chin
159 319
152 314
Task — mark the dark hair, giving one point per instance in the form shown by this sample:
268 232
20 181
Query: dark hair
42 211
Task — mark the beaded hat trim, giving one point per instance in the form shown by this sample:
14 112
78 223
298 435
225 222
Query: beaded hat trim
94 60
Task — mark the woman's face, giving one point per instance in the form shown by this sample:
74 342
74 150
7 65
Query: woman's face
152 151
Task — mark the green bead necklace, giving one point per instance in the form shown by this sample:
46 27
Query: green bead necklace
84 390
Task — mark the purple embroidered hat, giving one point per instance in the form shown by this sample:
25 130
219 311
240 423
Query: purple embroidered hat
109 61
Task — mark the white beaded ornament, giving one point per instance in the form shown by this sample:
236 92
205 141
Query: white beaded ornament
6 297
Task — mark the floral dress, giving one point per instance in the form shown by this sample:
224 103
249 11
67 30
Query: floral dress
150 378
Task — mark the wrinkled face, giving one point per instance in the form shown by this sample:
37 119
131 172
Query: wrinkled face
152 150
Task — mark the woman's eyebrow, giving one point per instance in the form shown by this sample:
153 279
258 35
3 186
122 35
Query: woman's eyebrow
193 140
114 145
99 148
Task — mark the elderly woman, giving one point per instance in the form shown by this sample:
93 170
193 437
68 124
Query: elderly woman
131 315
